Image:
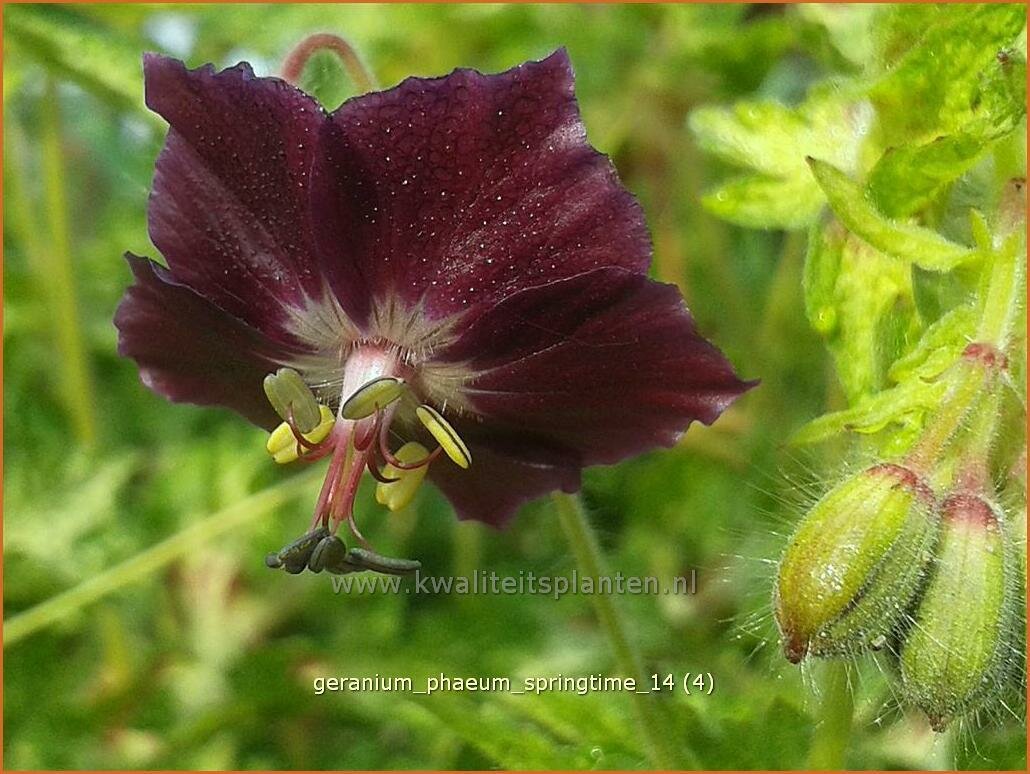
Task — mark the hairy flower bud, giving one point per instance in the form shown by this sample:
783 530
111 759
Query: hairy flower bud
855 563
954 657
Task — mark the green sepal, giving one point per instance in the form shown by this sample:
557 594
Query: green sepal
954 657
854 564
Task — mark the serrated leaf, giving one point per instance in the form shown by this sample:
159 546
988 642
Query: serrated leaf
770 139
873 413
861 302
940 346
906 241
908 178
931 87
766 202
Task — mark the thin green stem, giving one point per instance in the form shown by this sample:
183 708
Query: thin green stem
468 554
836 708
585 548
965 390
21 215
975 472
72 361
138 567
942 755
1004 295
1003 298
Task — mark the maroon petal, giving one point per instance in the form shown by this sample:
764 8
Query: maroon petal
229 207
506 473
189 350
607 364
468 188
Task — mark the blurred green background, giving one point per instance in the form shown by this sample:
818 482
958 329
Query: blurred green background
174 647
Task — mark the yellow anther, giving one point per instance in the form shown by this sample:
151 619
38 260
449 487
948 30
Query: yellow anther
445 435
397 494
282 444
288 393
374 395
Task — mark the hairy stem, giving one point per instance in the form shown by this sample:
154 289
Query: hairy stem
587 552
1003 300
836 706
1005 295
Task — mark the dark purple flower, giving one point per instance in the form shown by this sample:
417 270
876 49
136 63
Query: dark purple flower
457 234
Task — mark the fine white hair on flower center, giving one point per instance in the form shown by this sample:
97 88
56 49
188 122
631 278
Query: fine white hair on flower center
322 326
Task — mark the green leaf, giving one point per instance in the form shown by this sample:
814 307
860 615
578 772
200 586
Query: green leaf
905 403
770 141
908 178
932 86
513 742
755 201
101 62
908 242
939 347
861 301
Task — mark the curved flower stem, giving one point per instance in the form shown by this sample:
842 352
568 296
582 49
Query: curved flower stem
583 542
836 707
293 66
138 567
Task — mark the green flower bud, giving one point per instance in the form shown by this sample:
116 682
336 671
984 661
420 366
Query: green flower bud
855 564
953 659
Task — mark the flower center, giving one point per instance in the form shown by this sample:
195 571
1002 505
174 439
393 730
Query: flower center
357 437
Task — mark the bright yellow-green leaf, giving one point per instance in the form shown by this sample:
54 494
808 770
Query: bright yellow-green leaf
906 241
81 49
873 413
861 302
935 69
770 140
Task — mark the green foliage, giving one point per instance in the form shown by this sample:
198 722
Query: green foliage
103 61
919 252
861 301
148 633
946 62
764 138
913 244
886 282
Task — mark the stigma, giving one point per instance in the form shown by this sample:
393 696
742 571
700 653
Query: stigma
377 407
